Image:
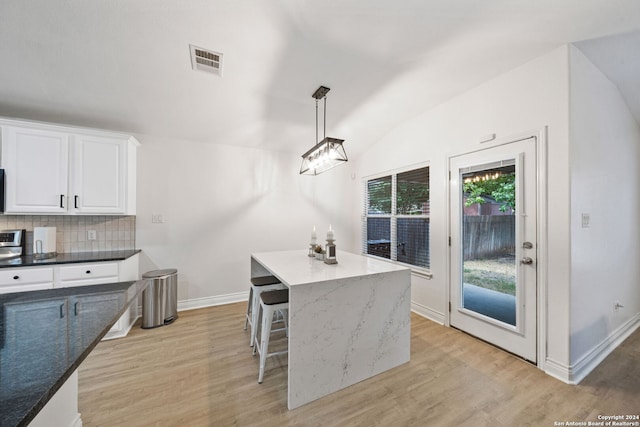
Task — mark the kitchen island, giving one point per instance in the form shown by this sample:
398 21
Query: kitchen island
44 336
347 321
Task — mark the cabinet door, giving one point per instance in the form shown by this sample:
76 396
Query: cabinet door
99 175
36 168
45 323
89 314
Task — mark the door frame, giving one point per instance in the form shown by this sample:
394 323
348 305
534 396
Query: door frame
540 136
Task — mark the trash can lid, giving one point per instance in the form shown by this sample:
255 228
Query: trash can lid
159 273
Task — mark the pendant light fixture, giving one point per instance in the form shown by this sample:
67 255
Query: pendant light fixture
327 153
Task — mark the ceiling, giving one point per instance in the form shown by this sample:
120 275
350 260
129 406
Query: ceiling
618 57
124 65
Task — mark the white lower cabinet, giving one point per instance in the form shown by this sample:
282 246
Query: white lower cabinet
87 274
25 279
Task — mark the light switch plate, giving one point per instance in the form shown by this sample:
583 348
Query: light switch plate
585 220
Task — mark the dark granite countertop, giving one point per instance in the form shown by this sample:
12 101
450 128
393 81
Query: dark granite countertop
69 258
45 335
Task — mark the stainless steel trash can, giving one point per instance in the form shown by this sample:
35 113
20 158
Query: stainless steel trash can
160 298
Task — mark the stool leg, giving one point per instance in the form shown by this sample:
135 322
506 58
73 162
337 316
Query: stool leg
267 317
249 301
285 318
255 308
254 332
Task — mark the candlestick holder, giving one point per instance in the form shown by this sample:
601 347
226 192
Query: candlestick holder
330 252
312 247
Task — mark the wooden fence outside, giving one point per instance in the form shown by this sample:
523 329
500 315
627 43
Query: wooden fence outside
489 236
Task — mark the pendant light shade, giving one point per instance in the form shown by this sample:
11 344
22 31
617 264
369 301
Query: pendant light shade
325 154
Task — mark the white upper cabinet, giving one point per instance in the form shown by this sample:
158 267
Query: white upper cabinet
52 169
36 169
99 179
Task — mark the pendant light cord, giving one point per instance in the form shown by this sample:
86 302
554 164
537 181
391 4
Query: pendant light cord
324 119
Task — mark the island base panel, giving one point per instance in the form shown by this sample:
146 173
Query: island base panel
344 331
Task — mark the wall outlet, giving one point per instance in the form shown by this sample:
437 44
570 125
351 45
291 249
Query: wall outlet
586 219
92 235
157 218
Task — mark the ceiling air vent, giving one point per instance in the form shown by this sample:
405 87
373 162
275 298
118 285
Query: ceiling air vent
206 60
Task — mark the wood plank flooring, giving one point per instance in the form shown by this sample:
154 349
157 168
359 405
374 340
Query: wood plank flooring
199 371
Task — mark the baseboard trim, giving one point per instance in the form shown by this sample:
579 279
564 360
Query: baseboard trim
193 304
427 312
78 421
122 333
575 373
557 370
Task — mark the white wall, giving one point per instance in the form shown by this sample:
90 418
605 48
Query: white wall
527 98
221 203
605 183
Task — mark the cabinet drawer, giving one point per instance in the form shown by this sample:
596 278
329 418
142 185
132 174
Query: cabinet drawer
88 274
25 279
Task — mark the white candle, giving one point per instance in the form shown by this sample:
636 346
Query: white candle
313 236
330 233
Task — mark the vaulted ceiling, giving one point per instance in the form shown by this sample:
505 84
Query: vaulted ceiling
124 65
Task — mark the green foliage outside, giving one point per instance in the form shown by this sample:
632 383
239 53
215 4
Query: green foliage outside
501 189
380 195
410 196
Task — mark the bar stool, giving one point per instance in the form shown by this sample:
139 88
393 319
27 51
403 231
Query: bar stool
258 285
270 302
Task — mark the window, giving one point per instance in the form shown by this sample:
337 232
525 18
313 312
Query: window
396 217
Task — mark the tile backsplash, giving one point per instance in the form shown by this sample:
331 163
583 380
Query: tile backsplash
112 232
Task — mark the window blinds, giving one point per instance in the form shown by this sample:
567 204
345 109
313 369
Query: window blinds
396 217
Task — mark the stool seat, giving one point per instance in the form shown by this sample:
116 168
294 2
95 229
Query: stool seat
264 280
275 297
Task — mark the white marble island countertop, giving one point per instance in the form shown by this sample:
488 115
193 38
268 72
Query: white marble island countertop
295 267
347 321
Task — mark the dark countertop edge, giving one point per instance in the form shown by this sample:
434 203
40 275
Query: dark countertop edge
71 258
37 407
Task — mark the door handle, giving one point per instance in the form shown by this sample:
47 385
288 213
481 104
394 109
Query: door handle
526 260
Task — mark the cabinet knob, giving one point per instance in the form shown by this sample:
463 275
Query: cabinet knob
16 277
88 271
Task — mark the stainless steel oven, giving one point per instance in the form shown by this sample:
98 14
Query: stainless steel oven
12 243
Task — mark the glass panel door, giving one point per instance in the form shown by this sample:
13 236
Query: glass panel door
493 229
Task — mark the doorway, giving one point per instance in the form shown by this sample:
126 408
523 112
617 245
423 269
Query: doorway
493 268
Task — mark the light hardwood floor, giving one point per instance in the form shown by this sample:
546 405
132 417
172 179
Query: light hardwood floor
199 371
